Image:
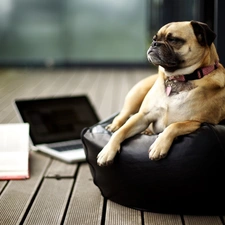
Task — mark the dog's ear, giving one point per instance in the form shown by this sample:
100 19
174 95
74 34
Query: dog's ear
203 33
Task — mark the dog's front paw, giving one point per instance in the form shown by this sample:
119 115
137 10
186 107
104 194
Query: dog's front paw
159 148
107 155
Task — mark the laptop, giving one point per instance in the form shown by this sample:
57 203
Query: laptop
56 124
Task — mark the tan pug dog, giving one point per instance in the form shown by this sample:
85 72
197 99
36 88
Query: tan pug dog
188 90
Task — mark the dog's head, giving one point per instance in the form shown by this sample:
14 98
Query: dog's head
181 46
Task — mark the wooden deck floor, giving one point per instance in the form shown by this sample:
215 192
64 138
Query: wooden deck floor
59 193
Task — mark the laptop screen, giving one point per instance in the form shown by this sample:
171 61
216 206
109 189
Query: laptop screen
56 119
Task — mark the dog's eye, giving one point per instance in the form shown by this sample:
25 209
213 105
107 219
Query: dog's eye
174 40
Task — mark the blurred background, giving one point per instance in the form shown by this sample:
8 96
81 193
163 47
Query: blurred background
78 33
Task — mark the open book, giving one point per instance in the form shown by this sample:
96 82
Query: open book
14 151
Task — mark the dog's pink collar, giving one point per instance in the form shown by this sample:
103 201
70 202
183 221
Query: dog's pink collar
171 81
197 74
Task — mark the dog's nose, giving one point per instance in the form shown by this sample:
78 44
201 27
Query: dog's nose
155 44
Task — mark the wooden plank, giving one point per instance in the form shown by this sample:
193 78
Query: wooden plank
86 203
162 219
121 88
8 116
14 119
25 85
109 93
96 85
84 84
36 82
66 83
120 215
123 82
59 169
4 81
61 84
70 79
15 199
21 85
50 203
99 94
48 86
202 220
2 185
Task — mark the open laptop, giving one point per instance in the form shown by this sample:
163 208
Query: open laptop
56 124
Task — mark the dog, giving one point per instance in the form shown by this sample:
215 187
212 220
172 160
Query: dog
188 89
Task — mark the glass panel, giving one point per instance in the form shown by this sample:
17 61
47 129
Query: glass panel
85 31
110 31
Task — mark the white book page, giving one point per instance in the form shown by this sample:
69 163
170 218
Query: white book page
14 137
12 161
14 147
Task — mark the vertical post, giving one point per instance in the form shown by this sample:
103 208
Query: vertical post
219 18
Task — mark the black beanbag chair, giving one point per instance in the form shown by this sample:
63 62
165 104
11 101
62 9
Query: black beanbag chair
190 180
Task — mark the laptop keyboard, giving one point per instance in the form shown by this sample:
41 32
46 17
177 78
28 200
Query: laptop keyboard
66 147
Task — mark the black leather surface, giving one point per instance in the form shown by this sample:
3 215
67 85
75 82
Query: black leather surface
190 180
